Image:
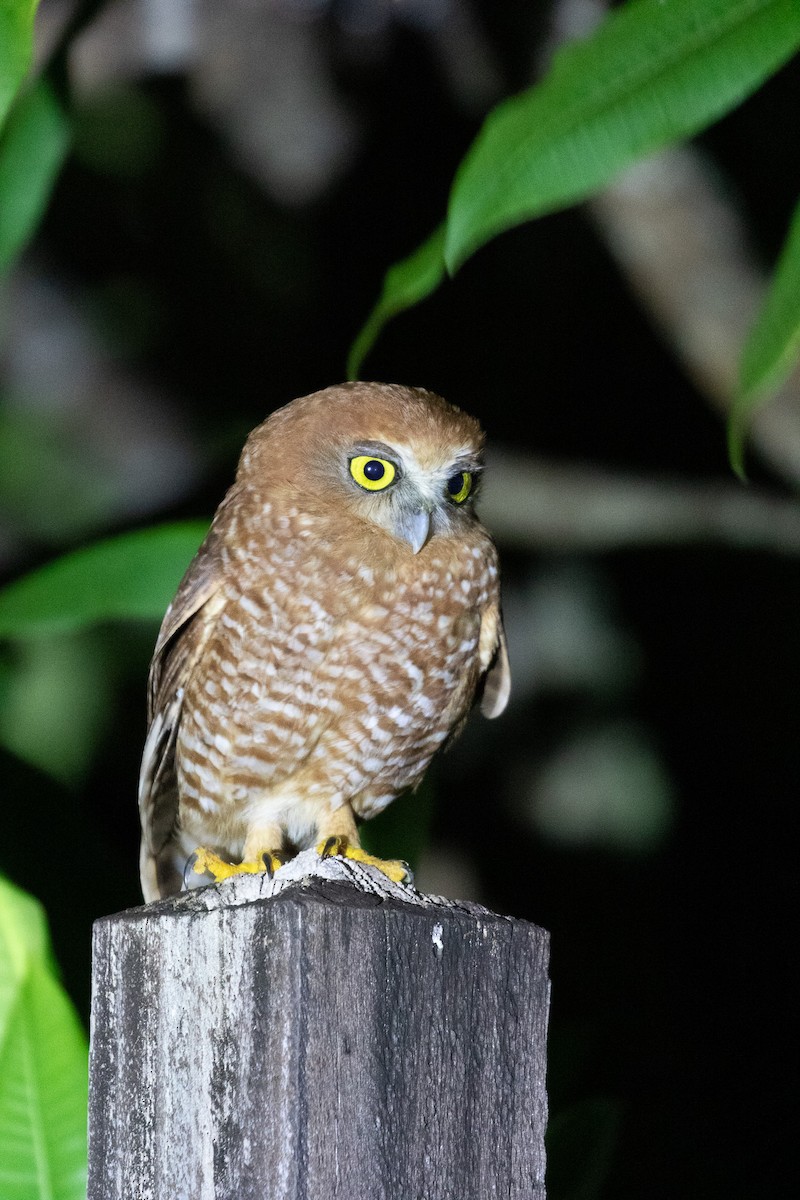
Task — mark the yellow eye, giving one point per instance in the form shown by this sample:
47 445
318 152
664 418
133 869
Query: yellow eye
459 487
374 474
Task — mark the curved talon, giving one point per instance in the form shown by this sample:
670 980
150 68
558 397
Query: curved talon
189 870
273 860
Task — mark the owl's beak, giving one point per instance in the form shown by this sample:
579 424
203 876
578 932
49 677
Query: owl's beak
414 528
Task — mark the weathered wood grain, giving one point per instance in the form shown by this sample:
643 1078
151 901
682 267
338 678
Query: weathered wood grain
324 1036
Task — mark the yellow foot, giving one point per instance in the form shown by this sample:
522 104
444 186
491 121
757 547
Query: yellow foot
206 862
396 870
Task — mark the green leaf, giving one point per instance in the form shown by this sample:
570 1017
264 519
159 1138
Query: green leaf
32 149
23 936
43 1065
16 47
653 73
133 576
405 284
773 344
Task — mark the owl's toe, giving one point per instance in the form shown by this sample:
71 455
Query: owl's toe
394 868
207 862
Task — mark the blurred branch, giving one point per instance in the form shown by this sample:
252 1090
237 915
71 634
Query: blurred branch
267 75
536 505
60 24
674 229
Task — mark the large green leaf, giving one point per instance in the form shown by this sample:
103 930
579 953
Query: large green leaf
133 576
32 148
16 46
773 345
653 73
43 1067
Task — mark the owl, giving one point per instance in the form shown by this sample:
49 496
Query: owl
330 636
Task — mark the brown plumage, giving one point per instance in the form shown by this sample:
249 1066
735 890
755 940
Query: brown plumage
330 635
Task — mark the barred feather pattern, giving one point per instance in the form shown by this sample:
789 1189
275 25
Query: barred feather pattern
317 659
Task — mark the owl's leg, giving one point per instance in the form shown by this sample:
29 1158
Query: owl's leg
262 856
263 845
340 837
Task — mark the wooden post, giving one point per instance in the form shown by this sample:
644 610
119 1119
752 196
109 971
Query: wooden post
326 1035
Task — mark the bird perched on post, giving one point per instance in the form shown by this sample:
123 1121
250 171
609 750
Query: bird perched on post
330 635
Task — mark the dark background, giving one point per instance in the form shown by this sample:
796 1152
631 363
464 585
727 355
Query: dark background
671 962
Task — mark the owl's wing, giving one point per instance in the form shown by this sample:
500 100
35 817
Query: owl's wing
185 630
202 579
494 662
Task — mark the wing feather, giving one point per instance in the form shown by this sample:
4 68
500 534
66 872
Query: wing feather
184 632
494 661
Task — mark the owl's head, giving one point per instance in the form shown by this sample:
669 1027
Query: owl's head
399 458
